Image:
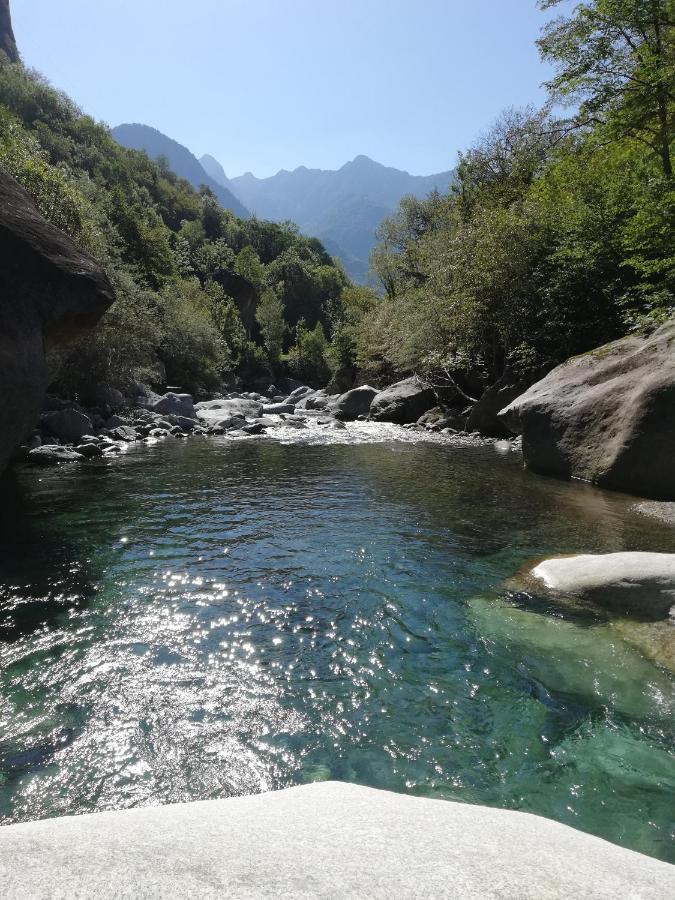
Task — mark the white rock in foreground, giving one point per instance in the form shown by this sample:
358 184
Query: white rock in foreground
637 582
326 840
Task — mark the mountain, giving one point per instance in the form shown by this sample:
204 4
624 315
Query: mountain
213 168
181 161
341 207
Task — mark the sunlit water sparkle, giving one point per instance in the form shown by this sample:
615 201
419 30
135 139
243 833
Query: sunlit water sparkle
214 617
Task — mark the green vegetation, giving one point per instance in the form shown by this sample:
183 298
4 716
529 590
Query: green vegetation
558 234
189 276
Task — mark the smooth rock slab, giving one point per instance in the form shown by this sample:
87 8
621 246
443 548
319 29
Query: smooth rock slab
639 583
326 840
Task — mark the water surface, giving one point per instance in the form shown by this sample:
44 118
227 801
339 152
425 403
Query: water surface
212 617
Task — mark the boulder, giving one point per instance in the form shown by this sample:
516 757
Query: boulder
68 425
124 433
89 450
354 403
175 405
275 409
484 416
213 410
329 839
51 293
299 393
607 417
53 455
640 584
403 402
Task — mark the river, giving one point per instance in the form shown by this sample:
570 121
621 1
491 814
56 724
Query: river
212 617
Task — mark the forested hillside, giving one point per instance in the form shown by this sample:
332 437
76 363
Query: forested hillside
180 160
201 294
559 233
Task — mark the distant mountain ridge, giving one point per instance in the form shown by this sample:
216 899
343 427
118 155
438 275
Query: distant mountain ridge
341 207
182 161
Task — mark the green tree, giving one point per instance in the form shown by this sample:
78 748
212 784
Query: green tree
270 316
616 59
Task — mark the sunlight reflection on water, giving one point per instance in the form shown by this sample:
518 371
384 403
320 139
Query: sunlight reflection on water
220 617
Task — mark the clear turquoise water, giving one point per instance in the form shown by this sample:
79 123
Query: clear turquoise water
202 618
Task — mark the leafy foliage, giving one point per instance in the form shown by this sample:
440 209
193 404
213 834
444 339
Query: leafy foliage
185 270
558 235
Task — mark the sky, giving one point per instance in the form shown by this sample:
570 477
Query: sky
269 84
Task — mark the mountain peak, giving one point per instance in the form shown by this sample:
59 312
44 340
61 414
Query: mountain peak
153 142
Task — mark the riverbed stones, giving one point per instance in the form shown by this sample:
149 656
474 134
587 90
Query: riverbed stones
349 406
639 584
403 402
326 839
607 416
68 425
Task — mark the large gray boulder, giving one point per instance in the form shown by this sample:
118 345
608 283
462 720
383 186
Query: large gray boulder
51 293
172 404
354 403
321 840
403 402
69 425
607 417
484 416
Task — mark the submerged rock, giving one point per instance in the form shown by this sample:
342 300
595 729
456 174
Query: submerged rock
354 403
606 417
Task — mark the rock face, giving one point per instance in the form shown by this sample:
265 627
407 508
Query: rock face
50 292
606 417
484 417
641 584
403 402
7 42
321 840
354 403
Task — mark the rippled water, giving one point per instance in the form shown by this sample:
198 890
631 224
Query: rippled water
213 617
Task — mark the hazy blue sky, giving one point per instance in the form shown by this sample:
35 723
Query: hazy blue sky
270 84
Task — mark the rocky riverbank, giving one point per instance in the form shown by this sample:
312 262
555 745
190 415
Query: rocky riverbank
68 433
